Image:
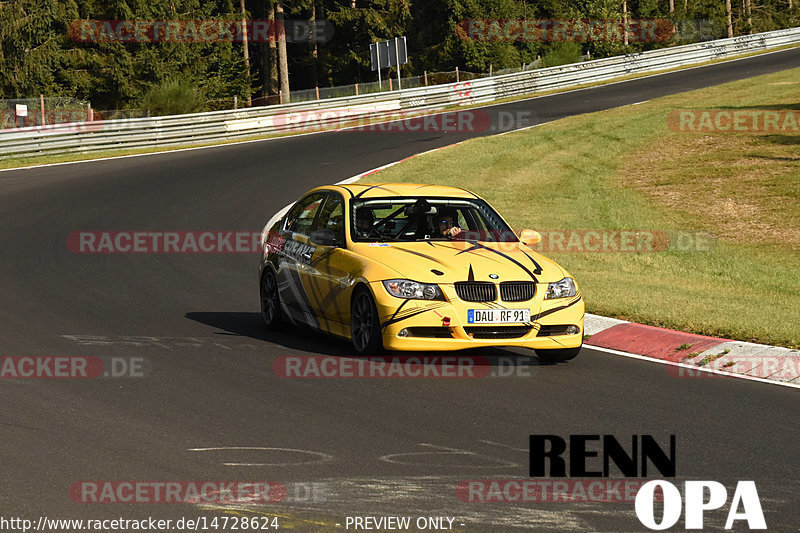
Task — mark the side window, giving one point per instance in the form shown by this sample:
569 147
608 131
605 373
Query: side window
461 220
332 216
467 220
301 217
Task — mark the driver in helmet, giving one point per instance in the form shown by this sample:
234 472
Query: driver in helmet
445 223
365 219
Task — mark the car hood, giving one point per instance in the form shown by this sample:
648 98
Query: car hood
463 261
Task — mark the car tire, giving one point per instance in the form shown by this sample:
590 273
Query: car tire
557 356
365 327
270 299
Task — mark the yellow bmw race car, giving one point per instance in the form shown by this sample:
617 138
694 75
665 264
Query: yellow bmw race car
415 267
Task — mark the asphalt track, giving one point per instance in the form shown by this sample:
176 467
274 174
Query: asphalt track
380 447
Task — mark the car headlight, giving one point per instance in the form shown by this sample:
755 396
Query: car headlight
561 289
405 288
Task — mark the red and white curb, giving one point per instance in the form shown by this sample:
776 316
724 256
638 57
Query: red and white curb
694 355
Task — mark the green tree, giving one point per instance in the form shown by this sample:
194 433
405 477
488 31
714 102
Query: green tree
32 35
356 27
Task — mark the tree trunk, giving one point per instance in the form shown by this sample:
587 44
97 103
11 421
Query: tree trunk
749 16
730 17
312 21
671 6
246 51
283 65
625 21
272 73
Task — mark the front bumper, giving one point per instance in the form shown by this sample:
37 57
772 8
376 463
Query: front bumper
425 325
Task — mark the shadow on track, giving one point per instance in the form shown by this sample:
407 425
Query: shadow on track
249 325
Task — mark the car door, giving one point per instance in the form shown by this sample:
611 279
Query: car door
295 259
329 276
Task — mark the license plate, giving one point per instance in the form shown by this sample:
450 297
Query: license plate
498 316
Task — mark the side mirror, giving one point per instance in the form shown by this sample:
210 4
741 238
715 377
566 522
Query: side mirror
324 237
530 237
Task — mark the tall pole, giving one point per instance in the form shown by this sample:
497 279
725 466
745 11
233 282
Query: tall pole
246 50
378 60
397 58
730 21
312 22
749 16
625 22
272 84
283 65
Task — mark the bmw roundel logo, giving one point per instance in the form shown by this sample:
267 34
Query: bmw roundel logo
493 276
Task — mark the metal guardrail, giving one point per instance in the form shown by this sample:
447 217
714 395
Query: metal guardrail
231 125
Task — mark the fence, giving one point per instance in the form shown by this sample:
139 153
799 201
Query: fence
410 82
230 125
31 112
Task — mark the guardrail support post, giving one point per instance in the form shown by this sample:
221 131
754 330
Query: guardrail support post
41 104
457 80
317 88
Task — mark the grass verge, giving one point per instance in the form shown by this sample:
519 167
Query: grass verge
625 169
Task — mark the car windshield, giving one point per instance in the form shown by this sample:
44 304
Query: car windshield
431 219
